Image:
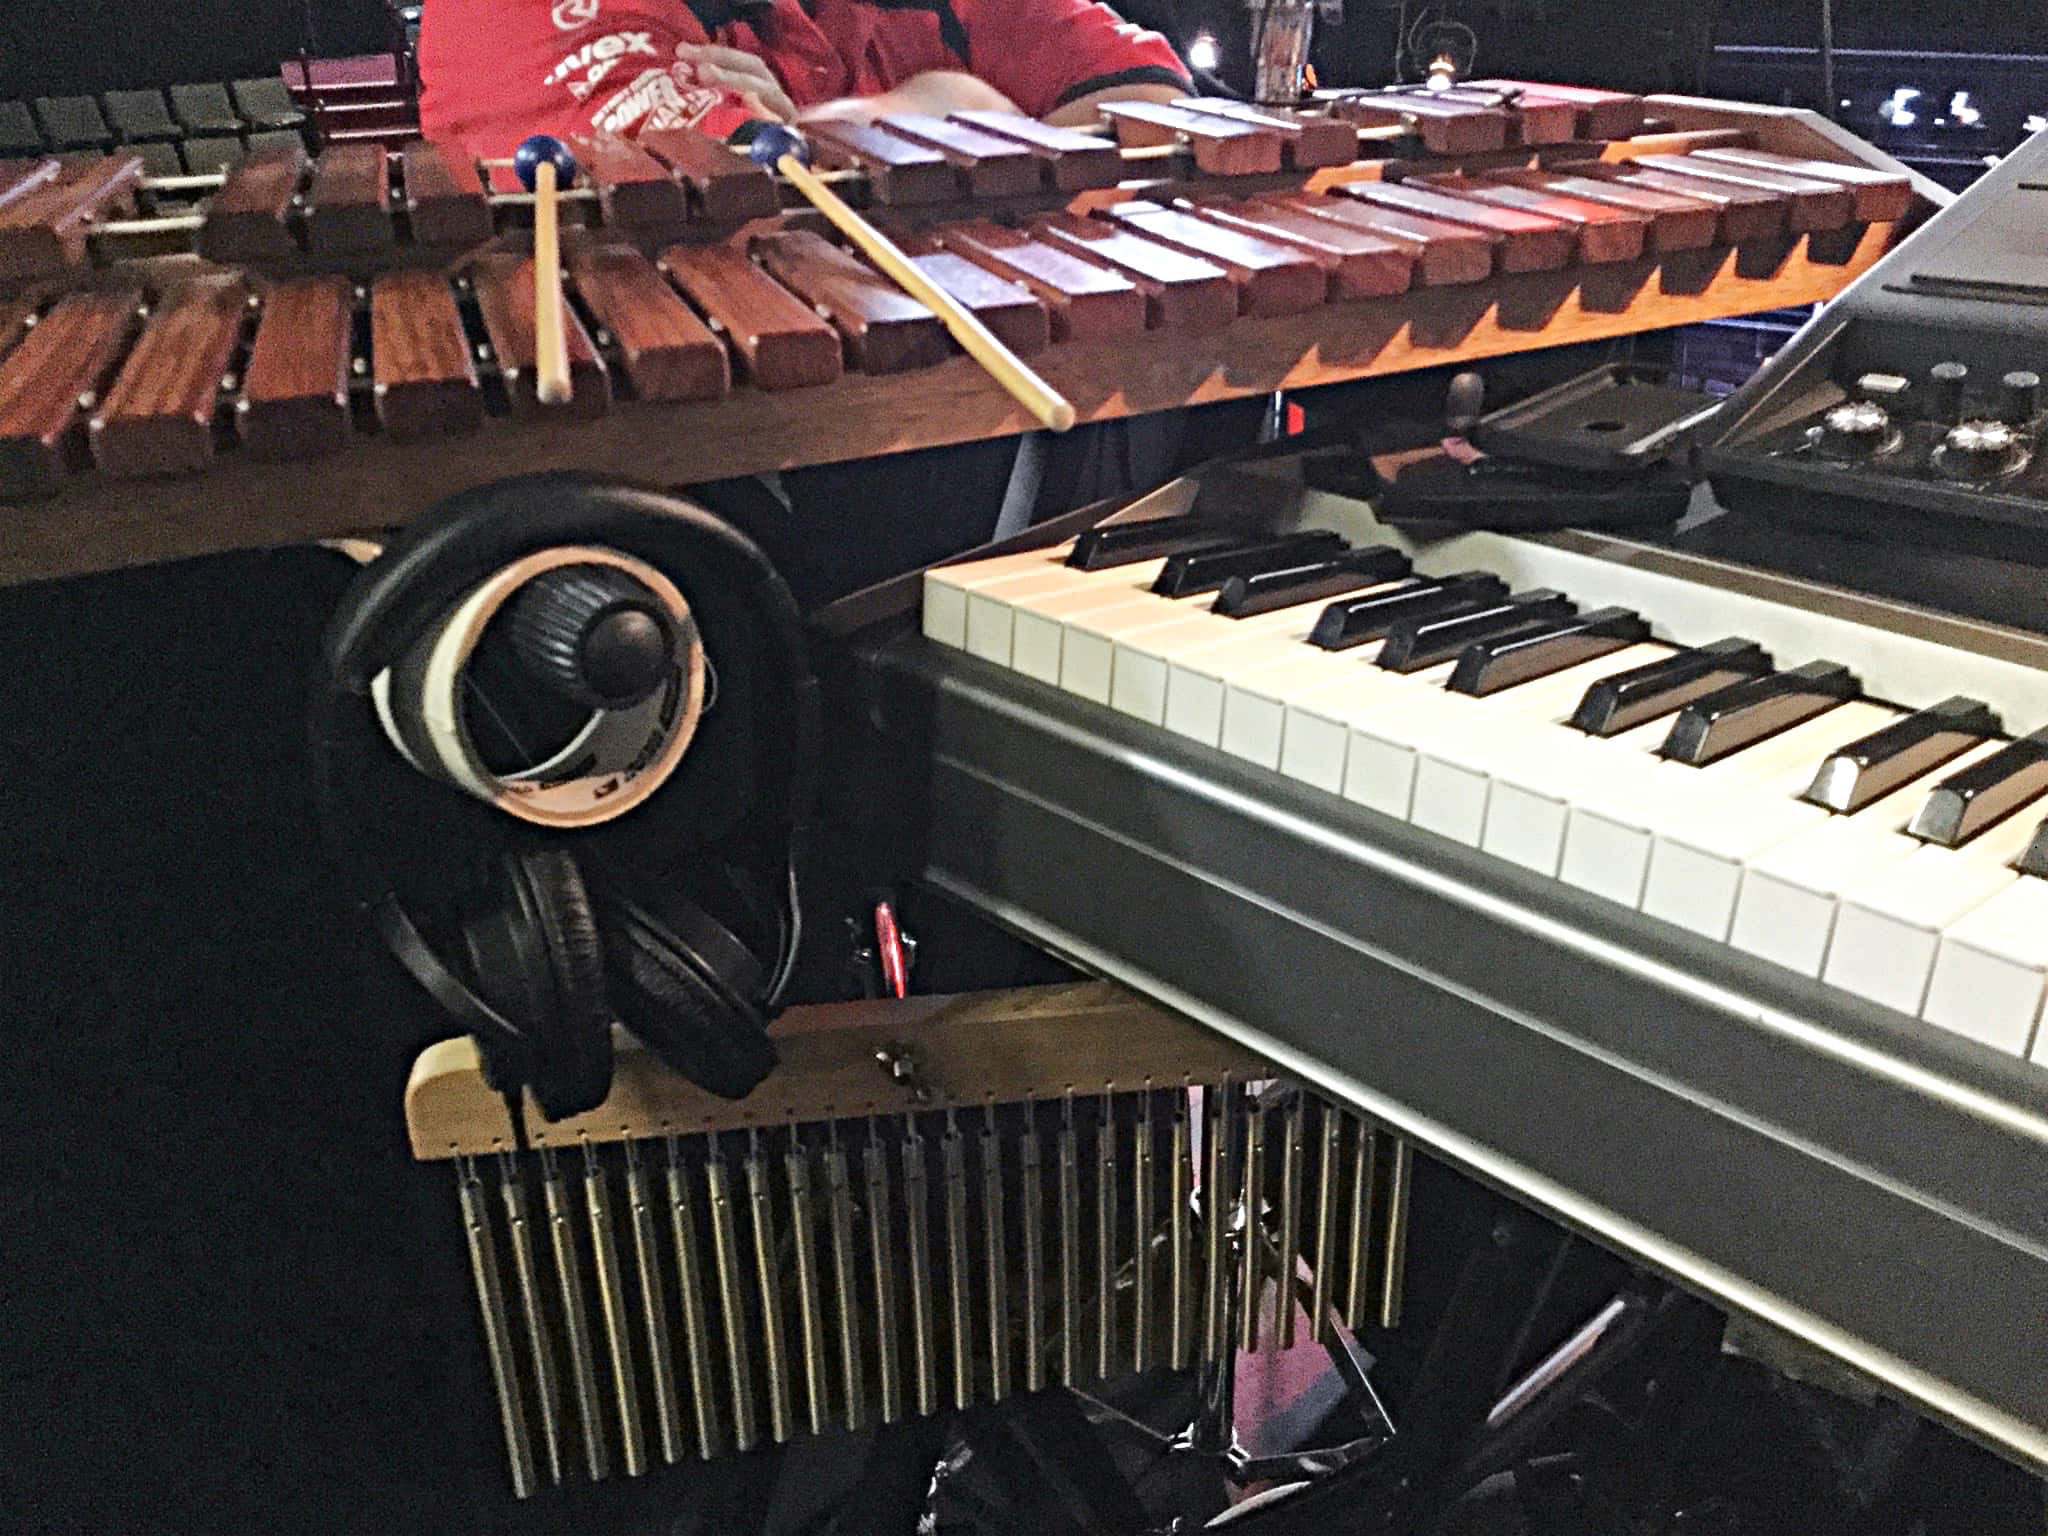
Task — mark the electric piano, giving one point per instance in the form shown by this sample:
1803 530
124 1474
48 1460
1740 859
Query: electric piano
1702 908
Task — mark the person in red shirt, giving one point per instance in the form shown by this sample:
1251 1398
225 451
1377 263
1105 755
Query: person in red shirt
494 71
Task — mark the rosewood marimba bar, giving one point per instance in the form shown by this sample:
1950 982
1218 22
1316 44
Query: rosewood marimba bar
358 209
373 311
298 367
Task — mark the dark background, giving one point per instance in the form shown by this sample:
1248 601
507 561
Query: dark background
55 46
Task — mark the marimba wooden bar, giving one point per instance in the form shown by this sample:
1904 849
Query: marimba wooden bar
372 313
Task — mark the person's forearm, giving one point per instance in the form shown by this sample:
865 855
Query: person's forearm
1080 112
934 94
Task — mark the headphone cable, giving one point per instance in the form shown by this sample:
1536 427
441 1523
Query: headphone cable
790 940
515 1111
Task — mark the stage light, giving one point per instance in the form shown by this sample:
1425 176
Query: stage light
1897 109
1203 52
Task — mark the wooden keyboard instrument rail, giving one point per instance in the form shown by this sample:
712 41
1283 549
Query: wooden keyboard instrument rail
931 1204
122 442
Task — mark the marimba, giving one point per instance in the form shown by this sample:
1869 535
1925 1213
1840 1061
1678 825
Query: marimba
374 311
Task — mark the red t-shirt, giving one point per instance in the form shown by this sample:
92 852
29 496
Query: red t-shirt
494 71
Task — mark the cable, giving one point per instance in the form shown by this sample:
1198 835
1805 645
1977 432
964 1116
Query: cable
1410 53
1827 60
792 938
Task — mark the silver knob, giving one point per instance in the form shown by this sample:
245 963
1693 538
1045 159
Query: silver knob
1985 438
1855 428
1976 449
1860 419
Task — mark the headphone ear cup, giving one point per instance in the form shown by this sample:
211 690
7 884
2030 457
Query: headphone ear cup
536 956
691 992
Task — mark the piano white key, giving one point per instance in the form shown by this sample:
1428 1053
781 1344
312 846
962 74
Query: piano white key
1379 764
1088 646
1256 703
1890 927
1143 657
1196 683
1608 842
992 609
1991 969
1696 860
1529 805
1139 668
1454 763
1039 625
1099 641
1785 909
946 587
1137 682
1315 736
1698 863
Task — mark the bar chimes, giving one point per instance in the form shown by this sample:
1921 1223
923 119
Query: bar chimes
931 1205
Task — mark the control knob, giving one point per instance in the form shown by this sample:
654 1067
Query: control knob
1856 429
1979 450
1945 383
2019 398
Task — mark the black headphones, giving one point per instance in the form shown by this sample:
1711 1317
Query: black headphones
553 946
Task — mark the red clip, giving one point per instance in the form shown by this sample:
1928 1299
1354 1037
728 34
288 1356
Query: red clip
889 950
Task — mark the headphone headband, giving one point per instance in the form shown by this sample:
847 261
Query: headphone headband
475 532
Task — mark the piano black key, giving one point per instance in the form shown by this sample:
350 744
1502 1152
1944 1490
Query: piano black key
1492 665
2035 860
1881 762
1745 713
1627 699
1099 549
1360 620
1204 570
1310 581
1989 790
1417 643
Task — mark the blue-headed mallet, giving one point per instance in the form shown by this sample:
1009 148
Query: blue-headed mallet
784 150
545 167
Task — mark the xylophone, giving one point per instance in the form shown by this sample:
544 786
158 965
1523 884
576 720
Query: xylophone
377 308
929 1206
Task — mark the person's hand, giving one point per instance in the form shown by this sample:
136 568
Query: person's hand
730 69
933 94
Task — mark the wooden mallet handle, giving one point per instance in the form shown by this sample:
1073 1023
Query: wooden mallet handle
1046 404
545 164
